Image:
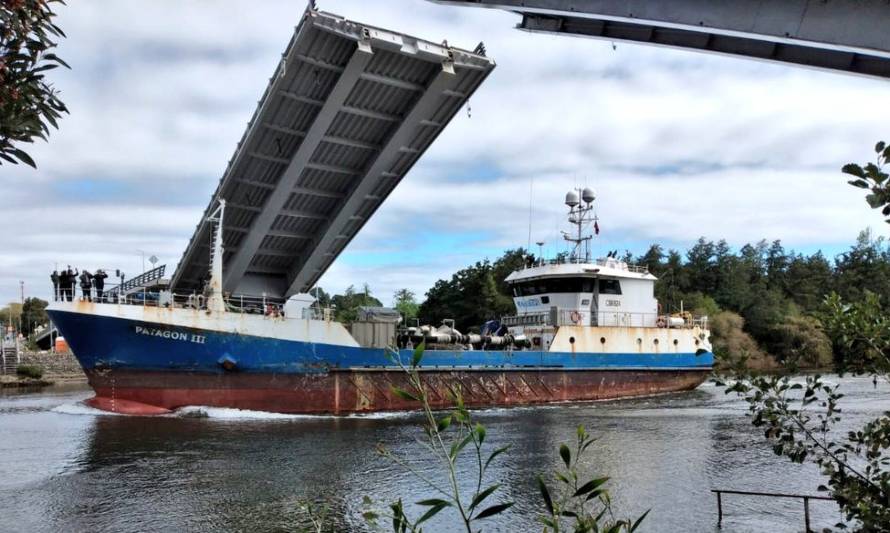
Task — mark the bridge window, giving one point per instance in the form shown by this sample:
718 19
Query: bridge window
610 286
555 285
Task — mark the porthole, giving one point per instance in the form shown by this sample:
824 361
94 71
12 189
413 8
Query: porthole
639 341
676 342
655 341
696 342
602 340
571 340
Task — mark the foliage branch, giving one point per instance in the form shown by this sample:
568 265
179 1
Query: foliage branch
872 177
573 505
803 421
28 103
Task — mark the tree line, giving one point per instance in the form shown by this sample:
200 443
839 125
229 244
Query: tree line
763 301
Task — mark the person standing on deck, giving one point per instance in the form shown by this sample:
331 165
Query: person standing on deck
55 277
72 283
99 282
86 285
65 284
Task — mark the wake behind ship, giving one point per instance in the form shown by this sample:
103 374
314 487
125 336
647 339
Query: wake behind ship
347 113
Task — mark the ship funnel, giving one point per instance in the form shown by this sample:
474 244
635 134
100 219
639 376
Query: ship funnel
587 195
572 198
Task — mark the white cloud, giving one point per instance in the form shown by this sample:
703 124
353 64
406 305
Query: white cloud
677 144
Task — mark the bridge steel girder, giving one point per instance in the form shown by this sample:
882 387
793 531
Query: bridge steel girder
848 36
238 266
333 240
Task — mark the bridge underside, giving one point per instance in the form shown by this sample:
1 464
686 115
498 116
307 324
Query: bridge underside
347 113
848 36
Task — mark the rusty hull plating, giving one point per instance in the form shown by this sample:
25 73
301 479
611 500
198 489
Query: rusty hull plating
363 391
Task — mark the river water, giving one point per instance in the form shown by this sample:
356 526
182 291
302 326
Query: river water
66 467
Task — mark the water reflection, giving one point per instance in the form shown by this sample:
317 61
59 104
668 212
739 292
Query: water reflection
214 474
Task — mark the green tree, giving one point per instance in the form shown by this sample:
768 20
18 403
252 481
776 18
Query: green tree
405 303
808 280
653 259
322 298
347 304
11 315
865 267
33 315
701 267
474 294
28 103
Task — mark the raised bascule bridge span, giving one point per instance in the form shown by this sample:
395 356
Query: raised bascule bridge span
348 111
847 36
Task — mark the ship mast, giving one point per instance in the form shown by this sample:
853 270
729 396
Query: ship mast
215 301
580 215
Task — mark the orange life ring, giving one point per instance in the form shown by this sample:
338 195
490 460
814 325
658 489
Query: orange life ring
661 322
576 317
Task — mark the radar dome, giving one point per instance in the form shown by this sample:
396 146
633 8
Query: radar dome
571 198
587 195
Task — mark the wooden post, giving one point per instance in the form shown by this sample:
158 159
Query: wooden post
719 509
806 514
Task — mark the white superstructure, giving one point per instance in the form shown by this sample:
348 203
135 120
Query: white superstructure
605 299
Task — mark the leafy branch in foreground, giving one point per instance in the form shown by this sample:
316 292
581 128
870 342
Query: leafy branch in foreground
582 507
446 438
573 505
27 102
801 419
872 176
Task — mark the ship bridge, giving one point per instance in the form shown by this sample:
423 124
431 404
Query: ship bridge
348 111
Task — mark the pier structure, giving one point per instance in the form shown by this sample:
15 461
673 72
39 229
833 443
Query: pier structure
847 36
348 111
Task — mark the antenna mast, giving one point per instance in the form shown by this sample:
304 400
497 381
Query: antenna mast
580 214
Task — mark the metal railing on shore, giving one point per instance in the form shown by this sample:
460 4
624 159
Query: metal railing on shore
805 497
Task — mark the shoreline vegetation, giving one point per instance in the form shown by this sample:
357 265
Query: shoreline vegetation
765 305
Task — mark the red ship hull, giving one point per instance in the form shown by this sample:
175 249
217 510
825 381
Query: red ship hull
360 391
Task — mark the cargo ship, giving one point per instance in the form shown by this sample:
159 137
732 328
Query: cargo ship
347 113
584 330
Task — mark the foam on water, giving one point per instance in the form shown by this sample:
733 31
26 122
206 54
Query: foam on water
226 413
80 408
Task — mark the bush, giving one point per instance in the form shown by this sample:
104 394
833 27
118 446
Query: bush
800 341
29 371
733 346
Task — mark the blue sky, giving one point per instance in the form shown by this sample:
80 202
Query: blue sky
677 144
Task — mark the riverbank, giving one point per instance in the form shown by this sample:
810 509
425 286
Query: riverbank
56 368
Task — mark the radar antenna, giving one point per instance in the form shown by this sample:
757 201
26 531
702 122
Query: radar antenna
580 203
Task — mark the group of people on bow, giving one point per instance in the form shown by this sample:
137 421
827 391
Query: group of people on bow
65 284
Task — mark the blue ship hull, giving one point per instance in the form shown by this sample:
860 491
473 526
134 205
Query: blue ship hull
141 363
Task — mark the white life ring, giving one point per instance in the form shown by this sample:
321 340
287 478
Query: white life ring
576 317
661 322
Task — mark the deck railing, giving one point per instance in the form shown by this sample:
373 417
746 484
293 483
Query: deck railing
234 303
570 317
